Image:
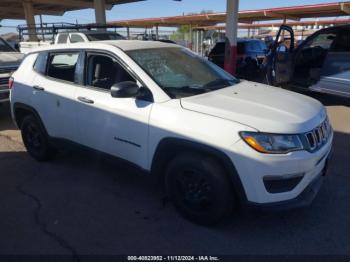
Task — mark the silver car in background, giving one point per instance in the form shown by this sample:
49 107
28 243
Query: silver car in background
10 59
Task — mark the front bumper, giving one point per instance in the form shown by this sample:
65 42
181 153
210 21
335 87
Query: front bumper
253 168
304 199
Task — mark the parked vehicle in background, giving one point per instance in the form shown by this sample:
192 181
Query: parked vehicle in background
10 59
250 55
213 140
87 36
321 63
71 38
63 33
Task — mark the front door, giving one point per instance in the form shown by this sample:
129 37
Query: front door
281 57
117 126
310 57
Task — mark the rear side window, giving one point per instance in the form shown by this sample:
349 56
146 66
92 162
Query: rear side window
74 38
62 38
62 65
40 63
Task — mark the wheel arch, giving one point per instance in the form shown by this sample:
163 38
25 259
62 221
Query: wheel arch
168 148
20 111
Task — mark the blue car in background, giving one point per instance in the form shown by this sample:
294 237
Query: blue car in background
250 55
321 63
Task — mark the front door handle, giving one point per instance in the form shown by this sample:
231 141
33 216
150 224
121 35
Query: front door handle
39 88
85 100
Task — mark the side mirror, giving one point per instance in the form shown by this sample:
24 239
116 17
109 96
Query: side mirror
124 89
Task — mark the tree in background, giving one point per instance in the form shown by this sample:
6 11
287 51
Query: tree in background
183 32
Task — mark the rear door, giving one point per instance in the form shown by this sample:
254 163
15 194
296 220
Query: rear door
55 94
335 73
281 57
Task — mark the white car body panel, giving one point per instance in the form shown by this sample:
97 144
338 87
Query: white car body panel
57 107
24 75
266 108
110 125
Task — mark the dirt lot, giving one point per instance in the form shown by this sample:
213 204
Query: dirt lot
82 204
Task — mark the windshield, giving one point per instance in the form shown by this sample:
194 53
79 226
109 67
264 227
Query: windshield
181 73
256 46
5 47
104 36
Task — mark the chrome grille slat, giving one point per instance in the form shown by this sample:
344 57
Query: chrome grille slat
317 137
4 70
4 81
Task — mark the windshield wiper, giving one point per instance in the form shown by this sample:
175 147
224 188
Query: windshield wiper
174 91
220 83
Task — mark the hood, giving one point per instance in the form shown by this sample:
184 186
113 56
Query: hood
262 107
10 58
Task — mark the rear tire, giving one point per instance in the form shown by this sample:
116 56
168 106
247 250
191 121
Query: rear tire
35 139
199 188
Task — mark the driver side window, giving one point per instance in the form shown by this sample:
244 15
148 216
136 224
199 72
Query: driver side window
103 72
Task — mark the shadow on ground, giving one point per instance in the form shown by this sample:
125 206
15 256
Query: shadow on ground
83 203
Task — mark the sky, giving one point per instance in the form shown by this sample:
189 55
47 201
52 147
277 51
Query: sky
157 8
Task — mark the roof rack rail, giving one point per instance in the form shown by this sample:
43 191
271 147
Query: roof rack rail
50 30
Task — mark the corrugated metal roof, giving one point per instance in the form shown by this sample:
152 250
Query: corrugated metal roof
247 16
13 9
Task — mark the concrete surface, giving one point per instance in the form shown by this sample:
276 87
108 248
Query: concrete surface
81 204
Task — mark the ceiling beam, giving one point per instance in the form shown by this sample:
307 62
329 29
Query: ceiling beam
67 3
345 8
280 16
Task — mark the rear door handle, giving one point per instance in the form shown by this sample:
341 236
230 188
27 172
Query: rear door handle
39 88
85 100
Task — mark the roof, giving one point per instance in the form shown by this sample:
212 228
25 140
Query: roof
246 16
13 9
125 45
128 45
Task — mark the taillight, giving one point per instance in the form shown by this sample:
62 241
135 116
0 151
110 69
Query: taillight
11 82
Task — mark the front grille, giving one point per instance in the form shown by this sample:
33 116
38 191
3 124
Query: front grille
317 137
8 69
4 81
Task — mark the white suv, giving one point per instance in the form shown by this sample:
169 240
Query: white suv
216 141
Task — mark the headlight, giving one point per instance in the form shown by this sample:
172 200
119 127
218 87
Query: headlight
272 143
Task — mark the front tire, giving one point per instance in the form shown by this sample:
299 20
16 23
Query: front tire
199 188
35 139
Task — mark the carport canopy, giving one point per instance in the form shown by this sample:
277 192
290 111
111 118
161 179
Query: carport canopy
13 9
20 9
246 16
